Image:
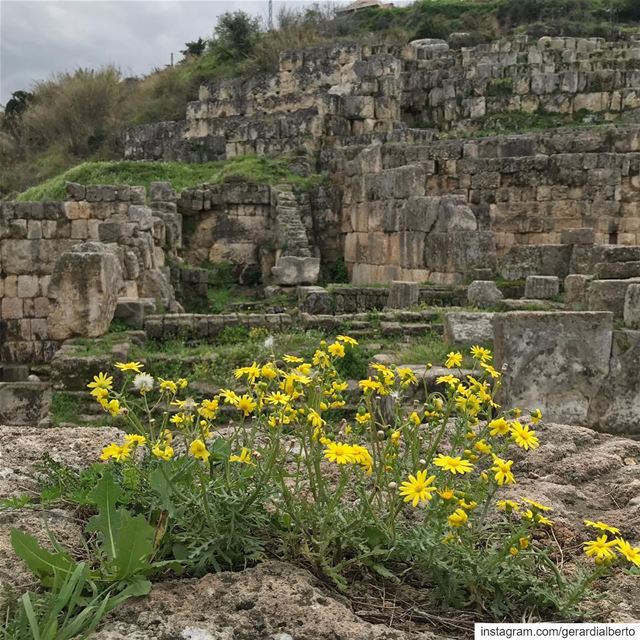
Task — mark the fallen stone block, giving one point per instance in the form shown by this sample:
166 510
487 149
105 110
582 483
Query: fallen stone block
24 403
576 286
609 295
315 300
617 270
541 287
292 270
463 328
83 292
484 294
403 295
132 311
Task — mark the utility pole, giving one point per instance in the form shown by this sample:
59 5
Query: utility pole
270 23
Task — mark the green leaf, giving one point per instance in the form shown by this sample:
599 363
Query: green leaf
41 562
105 496
127 540
220 450
134 545
158 482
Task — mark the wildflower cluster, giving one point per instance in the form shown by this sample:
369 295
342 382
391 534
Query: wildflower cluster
349 477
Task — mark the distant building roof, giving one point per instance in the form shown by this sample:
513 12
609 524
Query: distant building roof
358 5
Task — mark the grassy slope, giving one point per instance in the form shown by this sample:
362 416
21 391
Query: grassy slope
259 170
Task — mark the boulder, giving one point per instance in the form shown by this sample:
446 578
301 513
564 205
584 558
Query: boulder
279 599
292 270
555 361
484 294
83 292
403 295
631 311
542 287
464 328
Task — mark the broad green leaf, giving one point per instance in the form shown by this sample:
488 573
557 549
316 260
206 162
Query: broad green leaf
105 496
134 545
41 562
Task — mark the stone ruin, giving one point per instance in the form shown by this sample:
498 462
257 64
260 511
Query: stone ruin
413 200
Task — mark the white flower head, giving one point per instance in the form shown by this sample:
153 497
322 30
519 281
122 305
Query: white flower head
143 382
268 343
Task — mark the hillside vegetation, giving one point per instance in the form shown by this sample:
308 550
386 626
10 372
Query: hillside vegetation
81 116
179 175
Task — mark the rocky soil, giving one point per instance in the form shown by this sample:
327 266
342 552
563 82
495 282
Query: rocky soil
579 472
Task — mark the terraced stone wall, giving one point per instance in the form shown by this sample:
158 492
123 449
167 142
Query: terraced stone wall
541 190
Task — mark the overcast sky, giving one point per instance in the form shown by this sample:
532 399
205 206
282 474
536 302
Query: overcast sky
41 37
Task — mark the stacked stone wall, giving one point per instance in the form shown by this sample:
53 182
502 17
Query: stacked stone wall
523 190
35 235
550 76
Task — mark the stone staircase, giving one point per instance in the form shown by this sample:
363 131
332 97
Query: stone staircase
291 233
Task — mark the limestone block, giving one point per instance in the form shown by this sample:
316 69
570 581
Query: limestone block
79 229
576 286
24 403
359 107
75 191
292 270
631 311
425 49
34 230
161 192
12 308
484 294
77 210
616 407
132 311
141 216
155 285
584 236
555 361
541 287
459 251
11 286
617 270
83 291
403 295
315 300
464 328
525 260
609 295
28 286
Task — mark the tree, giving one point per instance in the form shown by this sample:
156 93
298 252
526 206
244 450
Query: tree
195 48
235 35
14 109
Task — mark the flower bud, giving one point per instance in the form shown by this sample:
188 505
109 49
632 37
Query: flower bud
380 434
393 485
422 462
